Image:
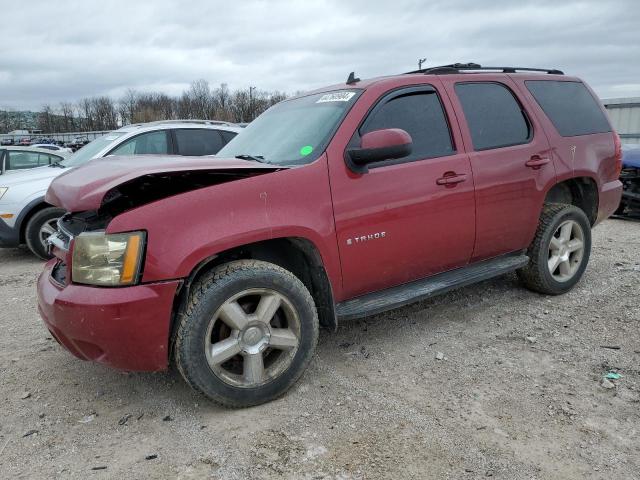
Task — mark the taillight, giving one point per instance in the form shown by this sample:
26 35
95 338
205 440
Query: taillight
617 153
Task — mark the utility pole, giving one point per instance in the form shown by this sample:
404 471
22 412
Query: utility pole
251 89
420 62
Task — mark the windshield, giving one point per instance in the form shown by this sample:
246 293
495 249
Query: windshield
293 132
87 152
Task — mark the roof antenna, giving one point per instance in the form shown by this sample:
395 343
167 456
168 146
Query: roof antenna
352 79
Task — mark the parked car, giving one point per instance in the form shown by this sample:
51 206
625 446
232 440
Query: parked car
25 216
630 178
16 159
24 142
77 143
52 147
337 204
6 142
43 141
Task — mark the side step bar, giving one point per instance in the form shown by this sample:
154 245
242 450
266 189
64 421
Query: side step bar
395 297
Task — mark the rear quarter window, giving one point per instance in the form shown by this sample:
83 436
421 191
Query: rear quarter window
570 107
227 136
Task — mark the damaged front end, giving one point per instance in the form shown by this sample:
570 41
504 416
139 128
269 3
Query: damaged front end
630 178
96 193
630 203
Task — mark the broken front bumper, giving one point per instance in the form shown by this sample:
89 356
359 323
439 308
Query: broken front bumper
126 328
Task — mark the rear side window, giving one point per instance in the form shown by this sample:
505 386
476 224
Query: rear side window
570 107
196 142
421 115
144 144
227 136
494 116
46 159
17 160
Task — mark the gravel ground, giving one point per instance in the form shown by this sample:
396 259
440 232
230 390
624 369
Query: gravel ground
489 381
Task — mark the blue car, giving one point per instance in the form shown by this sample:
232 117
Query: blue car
630 178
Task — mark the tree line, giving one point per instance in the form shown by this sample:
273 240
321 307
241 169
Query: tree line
199 101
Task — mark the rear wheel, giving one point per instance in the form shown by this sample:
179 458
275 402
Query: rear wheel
247 333
39 228
560 250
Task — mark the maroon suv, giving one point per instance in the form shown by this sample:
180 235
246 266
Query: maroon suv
336 204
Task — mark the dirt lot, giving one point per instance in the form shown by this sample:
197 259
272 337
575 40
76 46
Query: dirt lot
518 394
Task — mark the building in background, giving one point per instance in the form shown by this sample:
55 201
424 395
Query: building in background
625 116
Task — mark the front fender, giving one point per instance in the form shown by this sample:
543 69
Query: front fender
185 229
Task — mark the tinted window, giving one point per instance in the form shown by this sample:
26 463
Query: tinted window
20 160
227 136
570 107
198 142
49 159
421 115
147 143
494 116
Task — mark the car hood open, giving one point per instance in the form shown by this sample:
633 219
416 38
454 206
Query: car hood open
135 180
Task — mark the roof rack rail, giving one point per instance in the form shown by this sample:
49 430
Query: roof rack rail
195 121
460 67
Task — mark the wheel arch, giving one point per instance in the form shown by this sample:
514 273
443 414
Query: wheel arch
298 255
582 192
30 209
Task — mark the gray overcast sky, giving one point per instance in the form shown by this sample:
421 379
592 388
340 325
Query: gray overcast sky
52 51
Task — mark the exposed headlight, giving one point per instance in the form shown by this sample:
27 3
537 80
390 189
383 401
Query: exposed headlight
108 260
3 190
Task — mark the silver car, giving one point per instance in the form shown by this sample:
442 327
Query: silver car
26 218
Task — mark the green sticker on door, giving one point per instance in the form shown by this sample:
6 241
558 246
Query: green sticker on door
306 150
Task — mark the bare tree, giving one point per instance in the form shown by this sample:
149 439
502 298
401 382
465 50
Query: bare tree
198 101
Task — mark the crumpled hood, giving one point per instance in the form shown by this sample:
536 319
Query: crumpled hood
84 188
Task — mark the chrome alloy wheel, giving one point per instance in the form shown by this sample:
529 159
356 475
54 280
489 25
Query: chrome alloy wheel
252 338
46 230
566 250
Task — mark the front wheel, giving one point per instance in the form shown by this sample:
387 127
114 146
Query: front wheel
39 228
560 250
246 334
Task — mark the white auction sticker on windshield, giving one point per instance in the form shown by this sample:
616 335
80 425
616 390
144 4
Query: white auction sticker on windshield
336 97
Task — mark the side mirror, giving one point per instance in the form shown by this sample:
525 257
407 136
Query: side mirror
377 146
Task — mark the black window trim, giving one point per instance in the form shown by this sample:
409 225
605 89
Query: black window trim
174 139
524 112
387 97
167 133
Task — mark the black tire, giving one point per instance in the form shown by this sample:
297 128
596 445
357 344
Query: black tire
32 230
206 298
536 275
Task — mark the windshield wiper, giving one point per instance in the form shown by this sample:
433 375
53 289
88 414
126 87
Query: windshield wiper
255 158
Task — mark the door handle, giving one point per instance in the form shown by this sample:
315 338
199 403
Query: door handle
451 178
536 161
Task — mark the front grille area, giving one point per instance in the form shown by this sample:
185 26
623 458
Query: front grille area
59 273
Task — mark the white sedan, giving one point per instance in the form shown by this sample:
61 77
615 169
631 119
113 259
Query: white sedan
53 148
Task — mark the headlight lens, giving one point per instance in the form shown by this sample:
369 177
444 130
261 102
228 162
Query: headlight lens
3 190
108 260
